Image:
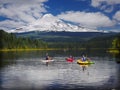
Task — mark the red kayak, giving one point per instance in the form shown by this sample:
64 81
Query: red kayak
69 59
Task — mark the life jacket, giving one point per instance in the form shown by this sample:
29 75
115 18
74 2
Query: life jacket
84 58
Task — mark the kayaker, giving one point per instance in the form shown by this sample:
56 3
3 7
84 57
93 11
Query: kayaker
48 57
84 58
71 57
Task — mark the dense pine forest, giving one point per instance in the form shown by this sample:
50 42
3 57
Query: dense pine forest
105 42
11 41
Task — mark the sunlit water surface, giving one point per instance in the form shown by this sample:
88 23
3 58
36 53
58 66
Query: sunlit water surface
32 74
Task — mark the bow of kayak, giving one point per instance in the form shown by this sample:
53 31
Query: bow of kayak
47 60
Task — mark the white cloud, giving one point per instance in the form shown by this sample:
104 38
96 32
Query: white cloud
107 8
22 11
97 3
117 16
105 5
91 20
10 24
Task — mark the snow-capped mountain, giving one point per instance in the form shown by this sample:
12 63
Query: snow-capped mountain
49 22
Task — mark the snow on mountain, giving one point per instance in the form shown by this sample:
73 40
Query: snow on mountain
48 22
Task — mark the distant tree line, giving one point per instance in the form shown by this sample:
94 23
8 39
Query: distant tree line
98 42
10 41
116 42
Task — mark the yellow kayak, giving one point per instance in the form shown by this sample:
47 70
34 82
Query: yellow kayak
84 62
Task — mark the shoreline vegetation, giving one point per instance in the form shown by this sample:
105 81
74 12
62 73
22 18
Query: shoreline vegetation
39 49
110 50
115 51
30 49
11 42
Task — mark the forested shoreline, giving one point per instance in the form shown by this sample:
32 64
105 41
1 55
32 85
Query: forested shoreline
11 42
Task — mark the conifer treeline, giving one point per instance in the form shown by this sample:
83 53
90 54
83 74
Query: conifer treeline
105 42
116 42
10 41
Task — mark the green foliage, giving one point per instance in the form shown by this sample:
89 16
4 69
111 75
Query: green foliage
116 42
10 41
100 42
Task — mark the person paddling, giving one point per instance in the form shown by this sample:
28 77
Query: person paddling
48 57
71 57
84 58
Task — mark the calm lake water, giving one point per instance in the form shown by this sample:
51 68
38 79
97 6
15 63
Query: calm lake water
26 71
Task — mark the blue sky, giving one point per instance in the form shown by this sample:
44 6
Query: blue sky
94 14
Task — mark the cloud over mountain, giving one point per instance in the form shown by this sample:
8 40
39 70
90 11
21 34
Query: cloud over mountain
88 19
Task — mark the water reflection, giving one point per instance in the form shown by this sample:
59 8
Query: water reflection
84 67
117 57
29 72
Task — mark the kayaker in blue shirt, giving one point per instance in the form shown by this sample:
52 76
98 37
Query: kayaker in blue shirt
84 58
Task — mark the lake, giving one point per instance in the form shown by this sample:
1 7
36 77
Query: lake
24 70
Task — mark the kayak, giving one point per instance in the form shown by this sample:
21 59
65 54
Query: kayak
84 62
47 60
69 59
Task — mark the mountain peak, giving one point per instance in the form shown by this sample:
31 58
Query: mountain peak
49 19
47 15
48 22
